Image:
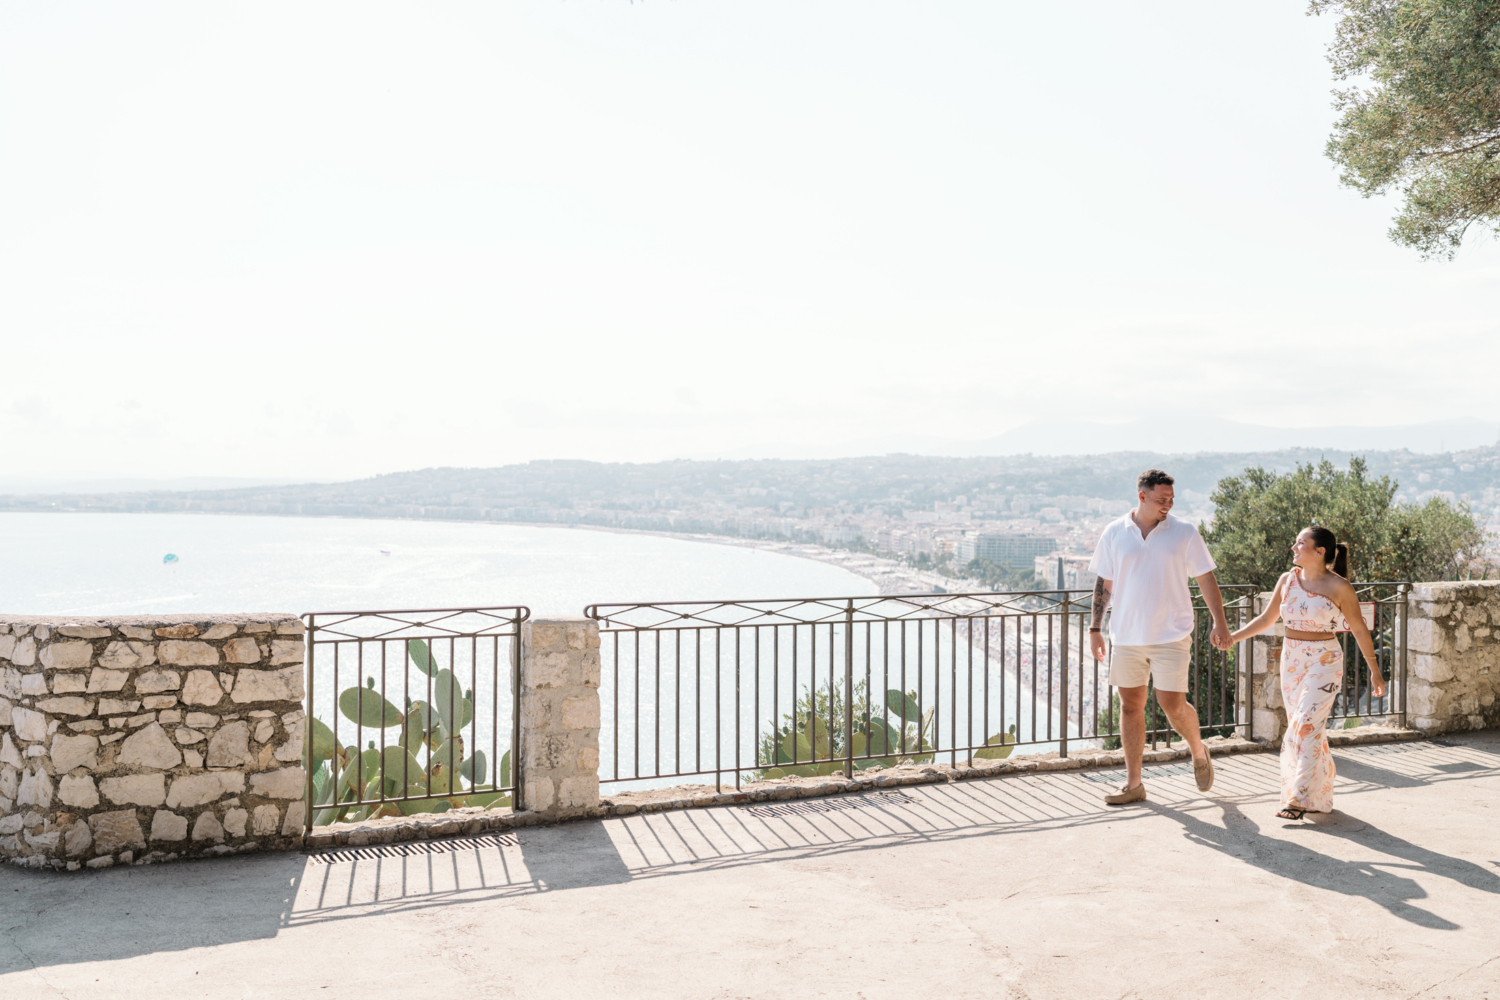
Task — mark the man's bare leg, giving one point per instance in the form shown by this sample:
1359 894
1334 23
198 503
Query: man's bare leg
1133 731
1184 719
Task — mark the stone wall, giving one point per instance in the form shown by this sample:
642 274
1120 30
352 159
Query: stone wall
560 716
1454 665
132 740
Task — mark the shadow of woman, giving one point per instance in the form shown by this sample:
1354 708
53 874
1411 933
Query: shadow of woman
1241 838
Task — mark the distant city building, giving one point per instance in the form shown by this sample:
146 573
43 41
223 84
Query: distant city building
1013 551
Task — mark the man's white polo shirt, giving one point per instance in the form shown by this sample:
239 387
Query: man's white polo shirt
1149 579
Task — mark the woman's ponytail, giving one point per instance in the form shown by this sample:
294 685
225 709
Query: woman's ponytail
1335 552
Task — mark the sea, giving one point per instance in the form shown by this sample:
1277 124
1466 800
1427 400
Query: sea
136 564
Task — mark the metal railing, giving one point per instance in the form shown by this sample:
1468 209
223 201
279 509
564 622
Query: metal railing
429 697
820 685
1388 605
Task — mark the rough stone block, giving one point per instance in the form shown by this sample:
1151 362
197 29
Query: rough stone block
135 789
199 789
158 701
581 711
286 651
287 783
83 631
268 685
223 630
150 747
202 688
8 752
118 706
114 831
291 750
73 654
540 796
187 737
581 791
242 650
208 827
296 816
69 752
69 683
230 746
265 820
156 681
202 720
101 680
292 627
234 822
183 631
1434 669
128 655
78 791
70 705
184 653
33 684
28 725
78 839
23 653
168 826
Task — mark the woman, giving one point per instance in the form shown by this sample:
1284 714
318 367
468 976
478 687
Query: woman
1314 600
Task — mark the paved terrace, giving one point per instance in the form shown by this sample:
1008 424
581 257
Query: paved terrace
1023 886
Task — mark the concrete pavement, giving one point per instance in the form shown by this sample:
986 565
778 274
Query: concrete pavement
1022 886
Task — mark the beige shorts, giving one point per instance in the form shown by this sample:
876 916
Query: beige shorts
1166 664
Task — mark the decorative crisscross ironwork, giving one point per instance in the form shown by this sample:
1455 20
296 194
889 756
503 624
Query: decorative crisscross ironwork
823 610
864 681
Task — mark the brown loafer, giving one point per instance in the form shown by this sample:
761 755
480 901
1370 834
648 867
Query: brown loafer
1126 795
1203 773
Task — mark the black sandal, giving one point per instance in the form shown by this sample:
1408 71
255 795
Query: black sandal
1292 812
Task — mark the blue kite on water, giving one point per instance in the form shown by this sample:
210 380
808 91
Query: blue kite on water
169 558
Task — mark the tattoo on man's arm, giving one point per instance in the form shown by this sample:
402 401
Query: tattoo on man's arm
1101 601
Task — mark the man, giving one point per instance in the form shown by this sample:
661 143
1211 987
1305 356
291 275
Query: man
1143 562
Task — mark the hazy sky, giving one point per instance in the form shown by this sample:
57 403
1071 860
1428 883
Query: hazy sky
329 240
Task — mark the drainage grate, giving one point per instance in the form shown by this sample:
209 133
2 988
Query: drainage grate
812 807
345 855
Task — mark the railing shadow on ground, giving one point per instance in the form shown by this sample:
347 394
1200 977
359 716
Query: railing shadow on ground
667 844
171 908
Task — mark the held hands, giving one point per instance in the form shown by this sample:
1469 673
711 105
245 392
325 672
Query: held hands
1220 636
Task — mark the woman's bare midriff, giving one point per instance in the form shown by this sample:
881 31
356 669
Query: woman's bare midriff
1292 633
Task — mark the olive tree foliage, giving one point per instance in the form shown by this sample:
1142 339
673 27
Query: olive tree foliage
1424 118
1259 513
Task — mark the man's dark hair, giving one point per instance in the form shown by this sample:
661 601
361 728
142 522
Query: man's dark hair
1152 478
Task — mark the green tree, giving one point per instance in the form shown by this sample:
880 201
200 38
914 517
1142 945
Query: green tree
1427 123
1258 514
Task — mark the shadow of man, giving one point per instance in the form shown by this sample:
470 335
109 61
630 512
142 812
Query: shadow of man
1241 838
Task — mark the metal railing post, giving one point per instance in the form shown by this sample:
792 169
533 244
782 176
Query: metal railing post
1405 627
517 796
849 689
307 725
1062 750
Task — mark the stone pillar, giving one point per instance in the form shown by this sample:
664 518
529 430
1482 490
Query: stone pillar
1267 710
560 716
1453 669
